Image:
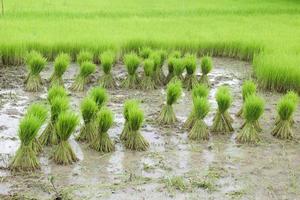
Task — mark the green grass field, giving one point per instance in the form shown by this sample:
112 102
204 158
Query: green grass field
266 32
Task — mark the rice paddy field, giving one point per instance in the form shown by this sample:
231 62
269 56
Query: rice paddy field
165 99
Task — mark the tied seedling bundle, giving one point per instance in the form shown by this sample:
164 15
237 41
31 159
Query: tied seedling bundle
170 64
147 82
248 89
200 130
178 66
199 90
99 95
222 119
132 62
135 140
253 109
129 104
145 52
190 80
295 99
102 141
158 75
65 126
206 67
86 69
167 115
35 64
107 60
84 56
61 63
89 111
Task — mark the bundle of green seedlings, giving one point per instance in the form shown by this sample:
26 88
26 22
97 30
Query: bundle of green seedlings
65 126
107 60
158 75
132 62
99 96
175 54
199 90
145 52
222 120
170 64
35 64
178 66
295 99
200 130
206 67
61 63
86 69
129 104
189 63
148 82
167 115
84 56
253 109
248 89
102 141
135 140
89 110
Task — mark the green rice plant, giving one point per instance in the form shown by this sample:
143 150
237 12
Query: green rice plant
102 141
57 106
222 120
61 64
135 140
200 130
285 109
189 62
293 96
175 54
147 82
199 90
206 67
170 64
253 109
25 158
145 52
88 131
65 126
128 105
84 56
158 75
86 69
132 62
35 64
248 89
107 60
99 95
167 115
178 66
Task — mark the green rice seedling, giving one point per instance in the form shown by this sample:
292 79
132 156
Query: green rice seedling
25 158
253 109
175 54
86 69
170 65
132 62
285 109
107 60
206 67
30 55
35 64
135 140
248 89
167 115
102 141
148 82
189 63
199 90
89 111
200 130
61 63
293 96
99 95
145 52
57 106
178 66
222 120
84 56
65 126
157 76
128 105
56 91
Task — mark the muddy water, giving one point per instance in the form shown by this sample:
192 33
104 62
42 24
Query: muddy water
216 169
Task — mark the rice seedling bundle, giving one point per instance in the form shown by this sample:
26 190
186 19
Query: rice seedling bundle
167 115
190 80
145 52
107 60
222 119
170 64
132 62
128 105
84 56
102 141
89 110
56 91
35 64
178 66
200 130
99 95
253 109
158 75
175 54
65 126
206 67
86 69
61 63
147 81
293 96
135 140
248 89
